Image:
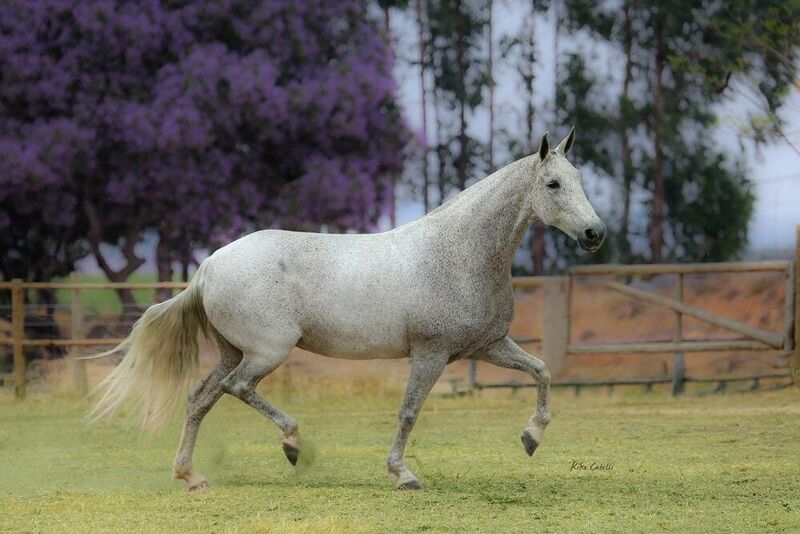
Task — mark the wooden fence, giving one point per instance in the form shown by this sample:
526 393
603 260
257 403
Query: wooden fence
556 344
558 311
77 339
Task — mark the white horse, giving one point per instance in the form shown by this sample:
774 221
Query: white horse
435 290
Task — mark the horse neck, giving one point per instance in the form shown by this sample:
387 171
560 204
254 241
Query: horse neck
490 218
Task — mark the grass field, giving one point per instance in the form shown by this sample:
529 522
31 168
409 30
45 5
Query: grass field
106 301
698 464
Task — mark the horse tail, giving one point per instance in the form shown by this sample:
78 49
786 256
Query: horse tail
161 358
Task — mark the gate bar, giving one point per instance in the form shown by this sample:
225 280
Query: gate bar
685 268
770 338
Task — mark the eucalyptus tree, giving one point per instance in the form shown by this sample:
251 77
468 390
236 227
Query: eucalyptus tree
654 123
458 64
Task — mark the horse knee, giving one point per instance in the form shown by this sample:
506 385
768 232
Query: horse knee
542 375
407 416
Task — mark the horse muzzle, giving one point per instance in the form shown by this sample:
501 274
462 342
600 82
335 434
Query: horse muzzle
592 238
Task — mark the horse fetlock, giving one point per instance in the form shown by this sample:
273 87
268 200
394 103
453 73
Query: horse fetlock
194 481
181 470
539 420
394 464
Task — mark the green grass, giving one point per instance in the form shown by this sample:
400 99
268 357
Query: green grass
701 464
105 301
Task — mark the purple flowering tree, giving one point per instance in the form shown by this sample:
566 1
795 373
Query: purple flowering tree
194 120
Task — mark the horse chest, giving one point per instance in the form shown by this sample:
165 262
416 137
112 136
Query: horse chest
458 320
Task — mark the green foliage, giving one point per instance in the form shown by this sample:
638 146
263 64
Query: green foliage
710 206
579 101
753 47
705 47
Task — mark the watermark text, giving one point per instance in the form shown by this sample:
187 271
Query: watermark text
579 465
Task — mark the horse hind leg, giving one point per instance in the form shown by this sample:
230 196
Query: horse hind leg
242 382
201 400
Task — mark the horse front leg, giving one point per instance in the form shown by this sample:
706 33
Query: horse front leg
505 353
425 371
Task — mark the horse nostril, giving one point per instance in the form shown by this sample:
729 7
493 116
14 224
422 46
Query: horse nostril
591 235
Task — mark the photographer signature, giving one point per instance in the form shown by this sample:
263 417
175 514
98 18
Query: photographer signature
578 465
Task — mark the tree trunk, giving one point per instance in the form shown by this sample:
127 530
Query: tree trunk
627 164
125 295
462 112
128 252
657 207
163 267
556 52
491 86
47 299
441 179
185 270
422 8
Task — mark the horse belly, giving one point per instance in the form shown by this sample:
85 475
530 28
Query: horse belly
354 321
360 338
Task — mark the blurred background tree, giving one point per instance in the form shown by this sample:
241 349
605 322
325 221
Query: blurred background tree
458 62
654 131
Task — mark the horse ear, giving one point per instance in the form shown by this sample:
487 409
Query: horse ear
544 147
566 144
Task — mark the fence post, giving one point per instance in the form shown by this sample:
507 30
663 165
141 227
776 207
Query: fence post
80 379
555 323
17 335
678 363
473 374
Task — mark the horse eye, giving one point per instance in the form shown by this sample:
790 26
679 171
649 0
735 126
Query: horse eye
553 185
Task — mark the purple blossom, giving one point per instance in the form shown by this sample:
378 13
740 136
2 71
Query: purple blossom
199 120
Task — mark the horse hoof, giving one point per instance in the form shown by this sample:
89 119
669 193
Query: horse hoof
200 487
292 453
411 485
529 443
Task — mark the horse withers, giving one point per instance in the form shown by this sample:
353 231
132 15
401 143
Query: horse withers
435 290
